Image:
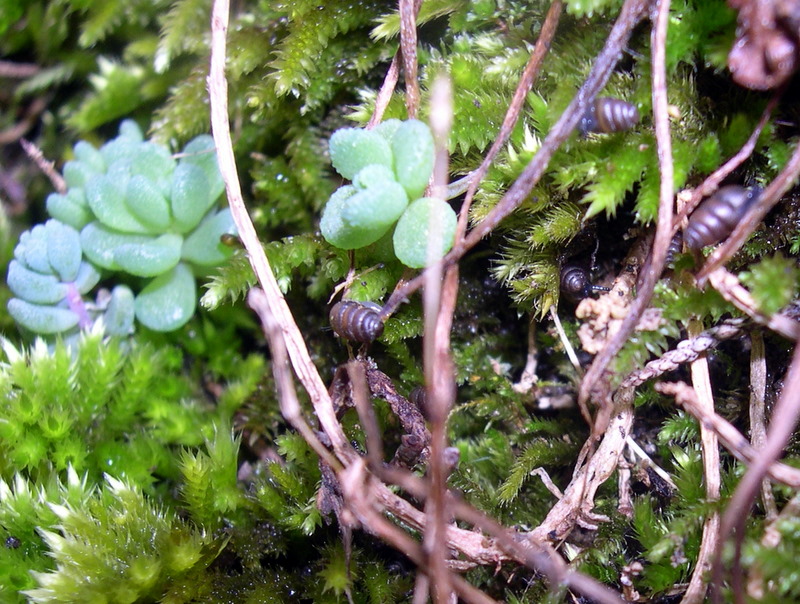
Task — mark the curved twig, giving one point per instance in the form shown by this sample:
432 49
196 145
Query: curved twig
655 266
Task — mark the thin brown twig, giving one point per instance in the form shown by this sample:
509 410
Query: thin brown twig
295 345
758 420
630 15
784 421
11 69
20 129
45 165
287 395
766 201
385 93
655 266
729 287
701 381
438 309
408 46
728 435
355 484
524 548
685 352
529 75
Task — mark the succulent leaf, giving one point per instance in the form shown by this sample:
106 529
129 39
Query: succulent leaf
412 150
99 243
89 156
145 201
375 209
120 312
168 301
63 249
71 209
425 230
190 197
33 286
106 197
202 152
151 257
42 319
32 250
353 148
88 276
203 247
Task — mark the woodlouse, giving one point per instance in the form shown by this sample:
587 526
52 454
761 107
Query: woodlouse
608 115
356 321
718 215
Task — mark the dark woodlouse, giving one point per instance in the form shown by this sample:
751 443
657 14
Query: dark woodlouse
356 321
576 283
675 247
608 115
717 216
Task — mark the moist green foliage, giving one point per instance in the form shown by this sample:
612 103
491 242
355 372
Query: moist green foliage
155 413
100 408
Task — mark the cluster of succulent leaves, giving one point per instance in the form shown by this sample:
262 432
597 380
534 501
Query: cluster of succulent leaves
130 207
303 70
388 166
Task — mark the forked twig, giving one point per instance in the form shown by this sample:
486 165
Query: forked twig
295 345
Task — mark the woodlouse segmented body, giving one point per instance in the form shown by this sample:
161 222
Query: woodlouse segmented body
608 115
356 321
717 216
576 283
675 248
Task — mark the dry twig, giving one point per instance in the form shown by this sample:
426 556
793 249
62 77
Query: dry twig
784 421
663 235
698 585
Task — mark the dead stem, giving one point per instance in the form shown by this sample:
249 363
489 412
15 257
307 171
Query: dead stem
29 118
408 45
784 421
701 381
12 69
578 499
522 547
385 93
632 12
529 75
729 287
758 419
295 345
45 165
438 307
686 351
729 436
358 493
287 395
766 201
655 265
